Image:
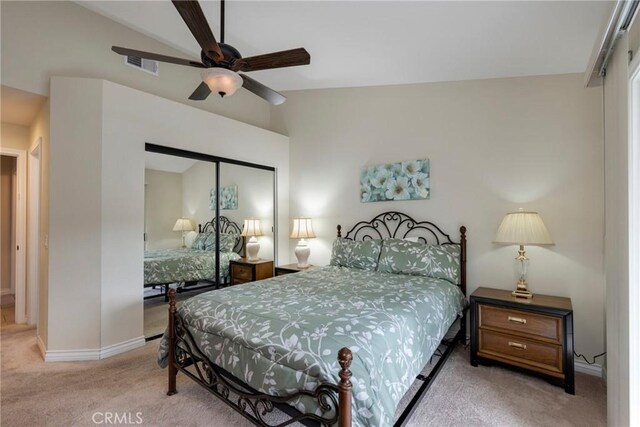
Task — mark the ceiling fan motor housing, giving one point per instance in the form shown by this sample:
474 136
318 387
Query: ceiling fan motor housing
231 54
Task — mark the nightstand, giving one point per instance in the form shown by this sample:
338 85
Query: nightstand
281 270
534 335
243 271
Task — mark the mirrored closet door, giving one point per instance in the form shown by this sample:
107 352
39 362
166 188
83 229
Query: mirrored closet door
204 215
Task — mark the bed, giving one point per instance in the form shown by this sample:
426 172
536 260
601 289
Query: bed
190 266
259 353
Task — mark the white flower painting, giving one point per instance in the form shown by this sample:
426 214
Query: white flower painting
228 198
395 181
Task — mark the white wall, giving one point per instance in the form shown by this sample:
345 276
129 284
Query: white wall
495 146
76 215
107 207
162 207
40 39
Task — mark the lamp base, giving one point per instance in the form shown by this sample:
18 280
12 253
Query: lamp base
302 252
252 247
522 291
522 294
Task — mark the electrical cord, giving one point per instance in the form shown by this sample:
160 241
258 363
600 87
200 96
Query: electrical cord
583 357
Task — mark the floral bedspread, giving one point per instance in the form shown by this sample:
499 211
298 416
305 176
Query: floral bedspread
184 265
283 334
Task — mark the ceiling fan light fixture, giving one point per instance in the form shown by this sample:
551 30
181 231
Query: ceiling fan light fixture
221 81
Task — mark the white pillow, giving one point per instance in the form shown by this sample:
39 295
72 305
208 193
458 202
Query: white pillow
189 238
412 239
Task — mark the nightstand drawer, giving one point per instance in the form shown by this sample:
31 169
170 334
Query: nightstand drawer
521 322
521 351
241 273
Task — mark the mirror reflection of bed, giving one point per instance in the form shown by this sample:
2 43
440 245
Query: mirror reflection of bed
181 249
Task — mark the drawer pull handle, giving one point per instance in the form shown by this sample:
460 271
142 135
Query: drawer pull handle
517 320
517 345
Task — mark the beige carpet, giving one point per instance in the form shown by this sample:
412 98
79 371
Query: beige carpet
63 394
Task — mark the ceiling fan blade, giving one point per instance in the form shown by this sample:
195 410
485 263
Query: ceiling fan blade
201 92
285 58
262 91
193 16
156 57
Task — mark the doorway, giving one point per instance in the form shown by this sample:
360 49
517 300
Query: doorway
12 235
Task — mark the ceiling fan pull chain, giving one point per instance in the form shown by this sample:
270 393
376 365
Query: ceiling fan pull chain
221 21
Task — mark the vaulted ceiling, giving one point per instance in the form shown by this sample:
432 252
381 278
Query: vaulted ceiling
366 43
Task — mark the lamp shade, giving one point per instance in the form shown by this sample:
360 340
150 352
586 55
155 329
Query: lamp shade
251 228
221 81
302 229
183 224
523 228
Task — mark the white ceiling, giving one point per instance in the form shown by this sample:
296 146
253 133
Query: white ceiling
366 43
19 107
166 163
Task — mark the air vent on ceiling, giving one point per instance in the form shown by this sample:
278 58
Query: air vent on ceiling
147 65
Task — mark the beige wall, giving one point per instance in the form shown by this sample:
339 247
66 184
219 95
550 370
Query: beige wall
197 182
14 136
41 39
495 146
7 221
255 200
162 207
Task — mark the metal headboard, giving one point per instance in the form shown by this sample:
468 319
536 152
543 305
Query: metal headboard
396 225
226 226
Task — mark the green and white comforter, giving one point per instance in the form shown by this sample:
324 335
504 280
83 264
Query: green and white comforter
283 334
184 265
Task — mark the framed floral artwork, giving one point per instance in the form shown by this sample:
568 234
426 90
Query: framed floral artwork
228 198
395 181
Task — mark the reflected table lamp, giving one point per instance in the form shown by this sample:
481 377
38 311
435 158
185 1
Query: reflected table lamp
523 228
302 229
252 229
183 225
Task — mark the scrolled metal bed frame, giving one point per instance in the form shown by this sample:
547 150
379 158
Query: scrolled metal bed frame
334 399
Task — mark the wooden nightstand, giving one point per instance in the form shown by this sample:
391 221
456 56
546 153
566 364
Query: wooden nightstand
243 271
281 270
535 335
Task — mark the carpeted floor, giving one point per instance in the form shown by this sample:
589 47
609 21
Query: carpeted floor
63 394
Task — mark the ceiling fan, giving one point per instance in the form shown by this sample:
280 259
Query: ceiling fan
221 62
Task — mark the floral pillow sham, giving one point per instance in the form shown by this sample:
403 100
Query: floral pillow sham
199 241
404 257
352 254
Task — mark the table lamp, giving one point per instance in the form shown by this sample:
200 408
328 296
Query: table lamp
252 229
183 225
523 228
302 229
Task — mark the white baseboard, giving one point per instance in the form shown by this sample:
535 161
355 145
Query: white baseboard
97 354
583 367
112 350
